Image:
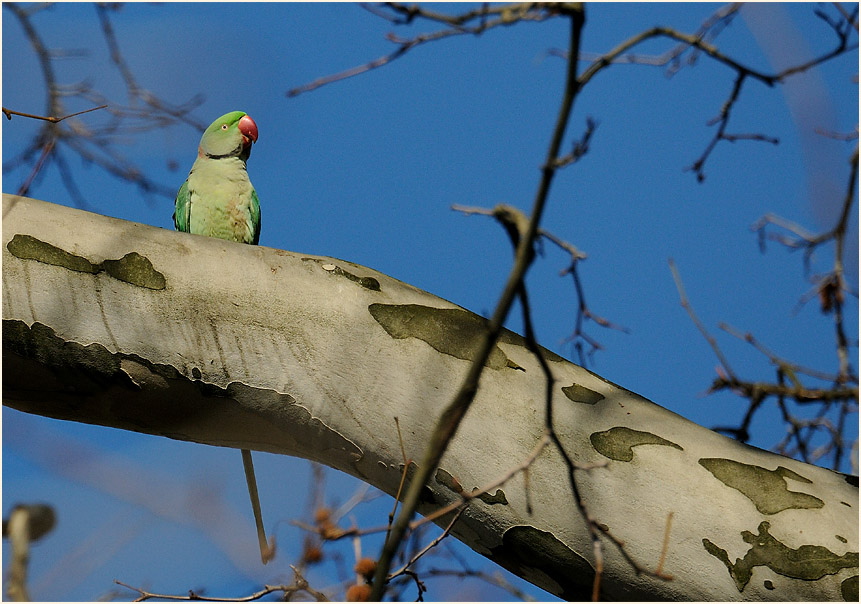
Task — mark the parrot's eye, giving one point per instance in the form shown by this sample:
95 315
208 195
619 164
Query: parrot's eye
224 126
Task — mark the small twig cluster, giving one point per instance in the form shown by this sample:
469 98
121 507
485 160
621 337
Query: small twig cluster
474 22
701 43
509 217
837 394
840 390
63 135
326 528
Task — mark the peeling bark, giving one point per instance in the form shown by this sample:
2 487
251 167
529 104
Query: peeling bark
120 324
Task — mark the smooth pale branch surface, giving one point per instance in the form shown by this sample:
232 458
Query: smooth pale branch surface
122 324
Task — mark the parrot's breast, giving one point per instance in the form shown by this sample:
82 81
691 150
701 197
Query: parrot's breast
221 200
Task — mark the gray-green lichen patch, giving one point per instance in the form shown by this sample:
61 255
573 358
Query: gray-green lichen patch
618 443
581 394
131 268
808 562
849 589
542 558
766 489
452 484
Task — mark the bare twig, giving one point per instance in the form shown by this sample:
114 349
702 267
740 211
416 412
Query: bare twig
666 544
299 585
852 19
37 167
699 42
788 367
453 414
583 311
54 120
683 297
430 545
830 287
505 15
707 32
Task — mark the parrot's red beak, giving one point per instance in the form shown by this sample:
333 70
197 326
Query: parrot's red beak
248 129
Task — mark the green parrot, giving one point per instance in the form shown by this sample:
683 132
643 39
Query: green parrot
217 199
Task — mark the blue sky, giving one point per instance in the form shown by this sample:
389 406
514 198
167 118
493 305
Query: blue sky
366 169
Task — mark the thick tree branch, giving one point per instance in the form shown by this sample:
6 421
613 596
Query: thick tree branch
102 325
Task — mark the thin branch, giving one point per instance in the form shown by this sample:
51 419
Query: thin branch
95 144
666 543
299 585
430 545
453 414
507 15
54 120
698 42
37 167
801 394
683 297
852 20
723 121
787 367
583 311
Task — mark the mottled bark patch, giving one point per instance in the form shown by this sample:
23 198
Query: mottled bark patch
89 383
581 394
540 557
452 484
135 269
452 331
131 268
808 562
370 283
849 589
618 443
766 489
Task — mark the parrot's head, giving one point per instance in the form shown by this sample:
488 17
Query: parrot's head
231 135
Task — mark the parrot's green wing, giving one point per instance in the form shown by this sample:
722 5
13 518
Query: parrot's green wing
255 215
182 209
